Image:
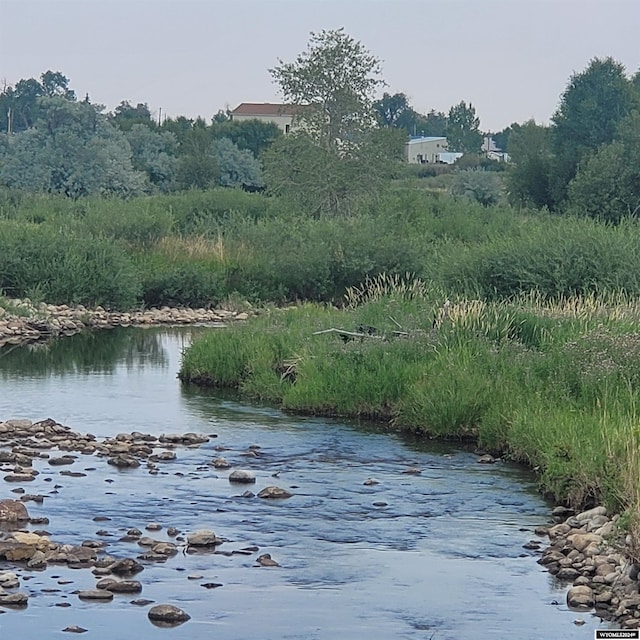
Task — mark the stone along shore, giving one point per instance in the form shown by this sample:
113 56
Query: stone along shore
23 322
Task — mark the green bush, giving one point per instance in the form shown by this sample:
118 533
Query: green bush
182 282
206 212
554 256
64 267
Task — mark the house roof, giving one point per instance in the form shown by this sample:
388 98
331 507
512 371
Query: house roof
264 109
417 139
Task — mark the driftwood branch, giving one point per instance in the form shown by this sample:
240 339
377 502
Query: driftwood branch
352 335
346 334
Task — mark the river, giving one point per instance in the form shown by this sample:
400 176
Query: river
436 555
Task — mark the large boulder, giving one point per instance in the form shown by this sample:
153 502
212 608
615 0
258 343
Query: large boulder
120 586
204 538
12 511
242 476
580 597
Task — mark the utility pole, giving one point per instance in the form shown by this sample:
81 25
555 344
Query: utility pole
159 116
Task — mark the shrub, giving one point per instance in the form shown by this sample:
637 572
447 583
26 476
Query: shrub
65 267
481 186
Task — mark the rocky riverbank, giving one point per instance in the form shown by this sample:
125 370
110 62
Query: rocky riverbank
586 550
22 322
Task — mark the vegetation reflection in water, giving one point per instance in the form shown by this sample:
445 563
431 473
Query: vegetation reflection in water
89 351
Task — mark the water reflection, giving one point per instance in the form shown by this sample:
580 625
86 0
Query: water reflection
84 353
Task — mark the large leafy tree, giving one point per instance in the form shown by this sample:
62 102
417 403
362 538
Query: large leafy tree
338 156
153 152
19 105
320 182
463 129
433 123
395 111
54 84
591 107
126 116
237 167
334 81
250 135
71 149
607 184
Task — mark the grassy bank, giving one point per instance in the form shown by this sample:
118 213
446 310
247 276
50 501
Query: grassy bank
555 385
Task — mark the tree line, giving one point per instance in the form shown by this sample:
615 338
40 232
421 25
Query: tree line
54 143
346 147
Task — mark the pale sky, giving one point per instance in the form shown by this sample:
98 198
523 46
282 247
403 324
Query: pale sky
511 59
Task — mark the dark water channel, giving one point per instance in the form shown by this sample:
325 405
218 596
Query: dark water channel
437 555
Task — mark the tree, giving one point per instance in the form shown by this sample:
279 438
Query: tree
478 185
433 124
501 138
463 129
390 109
196 172
127 116
221 116
334 81
320 181
54 84
251 135
395 111
591 107
237 168
335 158
607 184
72 150
24 104
19 105
530 168
153 152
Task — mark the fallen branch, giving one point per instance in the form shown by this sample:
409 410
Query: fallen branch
348 335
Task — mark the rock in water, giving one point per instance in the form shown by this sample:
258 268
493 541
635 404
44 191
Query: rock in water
580 597
274 493
168 614
242 475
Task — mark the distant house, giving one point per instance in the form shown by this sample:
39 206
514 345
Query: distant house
280 114
425 149
492 151
449 157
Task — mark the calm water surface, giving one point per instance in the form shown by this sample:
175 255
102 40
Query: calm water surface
437 555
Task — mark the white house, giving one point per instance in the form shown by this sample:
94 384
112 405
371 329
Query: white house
280 114
425 149
492 151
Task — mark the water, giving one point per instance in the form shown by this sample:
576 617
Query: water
436 555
